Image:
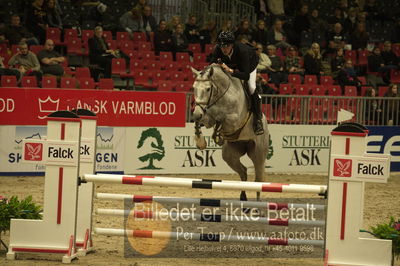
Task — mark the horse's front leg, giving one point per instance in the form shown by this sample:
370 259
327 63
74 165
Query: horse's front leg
231 153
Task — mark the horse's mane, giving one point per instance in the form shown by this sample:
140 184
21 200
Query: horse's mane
210 67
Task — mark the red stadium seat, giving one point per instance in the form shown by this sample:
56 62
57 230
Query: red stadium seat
350 91
107 35
184 86
334 90
310 79
199 58
194 47
159 75
106 84
395 76
68 83
182 57
54 34
294 79
165 85
29 82
87 34
122 36
9 81
139 37
144 46
326 80
382 91
126 46
209 48
82 72
86 83
112 44
178 75
118 66
74 46
285 89
36 48
147 55
302 89
166 56
351 54
49 82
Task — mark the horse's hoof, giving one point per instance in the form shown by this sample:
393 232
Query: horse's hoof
200 142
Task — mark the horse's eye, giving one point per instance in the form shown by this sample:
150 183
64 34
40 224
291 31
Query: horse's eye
208 89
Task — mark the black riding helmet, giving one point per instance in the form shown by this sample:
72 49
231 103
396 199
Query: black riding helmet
225 38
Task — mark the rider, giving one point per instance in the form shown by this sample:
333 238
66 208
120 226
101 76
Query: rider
240 60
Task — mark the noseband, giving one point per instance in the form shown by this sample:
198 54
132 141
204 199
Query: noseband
205 106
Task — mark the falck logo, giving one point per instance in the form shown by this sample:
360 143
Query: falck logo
48 106
342 167
33 151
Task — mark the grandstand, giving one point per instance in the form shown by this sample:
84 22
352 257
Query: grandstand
300 100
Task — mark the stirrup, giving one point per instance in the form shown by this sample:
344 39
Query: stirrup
258 128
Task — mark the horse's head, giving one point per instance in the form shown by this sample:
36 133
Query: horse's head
210 86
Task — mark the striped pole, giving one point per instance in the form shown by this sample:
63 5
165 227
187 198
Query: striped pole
210 202
206 217
205 184
208 237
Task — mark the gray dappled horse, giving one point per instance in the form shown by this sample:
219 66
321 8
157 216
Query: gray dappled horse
220 102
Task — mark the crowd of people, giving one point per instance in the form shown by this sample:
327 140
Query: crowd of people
281 36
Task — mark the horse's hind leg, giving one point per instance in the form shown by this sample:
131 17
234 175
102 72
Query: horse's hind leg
231 153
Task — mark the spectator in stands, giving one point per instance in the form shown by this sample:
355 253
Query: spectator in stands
391 109
99 53
292 62
244 30
260 7
336 39
389 57
140 4
359 38
260 34
192 30
277 36
175 20
301 23
337 62
148 20
98 13
4 71
317 24
313 61
16 33
264 63
53 17
276 70
227 25
276 7
347 76
362 17
179 41
377 64
51 60
373 110
336 18
131 21
162 38
36 20
26 62
263 86
208 34
349 23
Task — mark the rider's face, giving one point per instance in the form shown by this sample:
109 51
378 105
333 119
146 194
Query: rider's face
226 50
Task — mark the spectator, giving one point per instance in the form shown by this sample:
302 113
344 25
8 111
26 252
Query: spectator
244 30
391 108
313 61
373 111
26 62
140 4
336 18
4 71
389 57
208 34
377 64
260 34
260 6
264 63
179 41
337 62
148 21
53 18
162 38
16 33
301 22
336 39
349 23
262 85
99 53
36 20
276 7
227 26
317 24
192 30
276 70
277 36
292 62
98 13
131 21
171 25
359 38
51 60
347 76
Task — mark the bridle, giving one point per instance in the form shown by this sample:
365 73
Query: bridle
205 106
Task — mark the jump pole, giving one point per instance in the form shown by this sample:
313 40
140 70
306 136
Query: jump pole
209 202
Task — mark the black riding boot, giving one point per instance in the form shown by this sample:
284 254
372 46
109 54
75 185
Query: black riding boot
257 119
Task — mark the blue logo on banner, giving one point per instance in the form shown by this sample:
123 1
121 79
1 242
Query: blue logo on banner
385 140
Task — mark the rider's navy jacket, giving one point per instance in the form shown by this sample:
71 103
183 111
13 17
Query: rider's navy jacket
243 60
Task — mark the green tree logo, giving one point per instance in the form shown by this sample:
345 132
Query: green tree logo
151 139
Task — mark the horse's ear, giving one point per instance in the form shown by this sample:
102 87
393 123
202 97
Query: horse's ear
211 72
195 71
